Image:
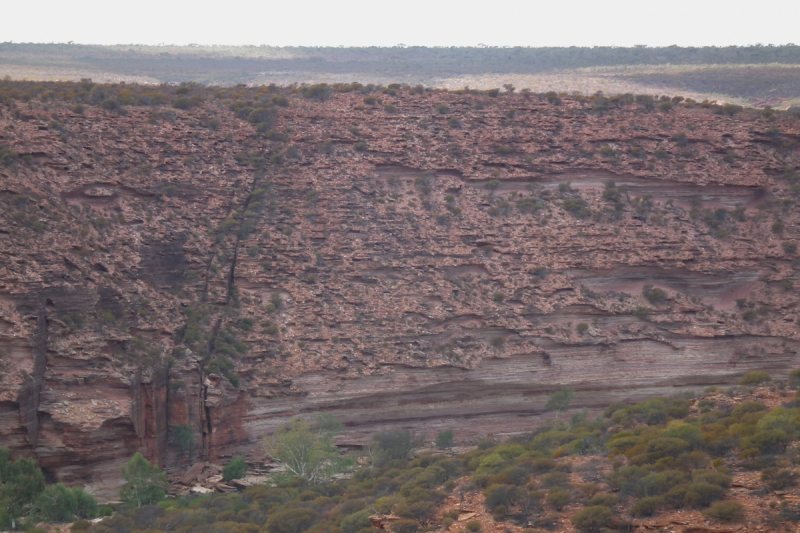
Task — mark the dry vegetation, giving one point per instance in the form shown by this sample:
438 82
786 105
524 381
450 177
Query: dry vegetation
755 75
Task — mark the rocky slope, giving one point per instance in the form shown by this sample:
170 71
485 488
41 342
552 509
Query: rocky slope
420 260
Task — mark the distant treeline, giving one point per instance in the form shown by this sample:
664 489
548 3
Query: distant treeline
225 64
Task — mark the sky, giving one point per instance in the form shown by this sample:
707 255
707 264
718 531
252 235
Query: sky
409 22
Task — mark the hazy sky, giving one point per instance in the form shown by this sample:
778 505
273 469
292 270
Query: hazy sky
410 22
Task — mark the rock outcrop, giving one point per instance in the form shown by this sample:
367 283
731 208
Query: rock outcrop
445 261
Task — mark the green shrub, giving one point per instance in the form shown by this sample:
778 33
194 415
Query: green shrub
85 504
676 496
702 494
182 103
445 439
183 436
395 443
355 522
421 511
145 483
576 207
647 506
236 469
715 478
56 503
291 520
726 512
605 500
405 526
766 441
473 526
755 377
540 465
319 91
80 525
498 494
779 479
555 479
654 295
111 105
558 498
360 146
20 483
794 379
499 513
746 408
385 504
592 519
728 109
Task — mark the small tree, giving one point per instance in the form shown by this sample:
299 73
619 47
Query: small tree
302 452
395 443
183 436
560 401
145 483
445 439
236 469
57 503
21 481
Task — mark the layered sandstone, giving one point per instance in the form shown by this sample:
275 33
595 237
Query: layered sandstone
420 267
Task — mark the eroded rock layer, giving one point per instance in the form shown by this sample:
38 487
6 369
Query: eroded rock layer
445 261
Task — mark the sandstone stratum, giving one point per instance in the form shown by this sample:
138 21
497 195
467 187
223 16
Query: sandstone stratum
227 259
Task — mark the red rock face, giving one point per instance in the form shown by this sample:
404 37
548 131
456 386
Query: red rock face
430 267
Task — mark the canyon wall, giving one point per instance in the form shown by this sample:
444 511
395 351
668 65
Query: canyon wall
423 260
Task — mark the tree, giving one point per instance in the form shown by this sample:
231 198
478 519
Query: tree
302 452
395 443
560 401
183 436
445 439
145 483
236 469
21 481
57 503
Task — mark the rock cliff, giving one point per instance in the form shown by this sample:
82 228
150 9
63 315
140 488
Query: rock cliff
420 260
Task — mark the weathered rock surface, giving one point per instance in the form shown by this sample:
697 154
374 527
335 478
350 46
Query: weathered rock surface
445 273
